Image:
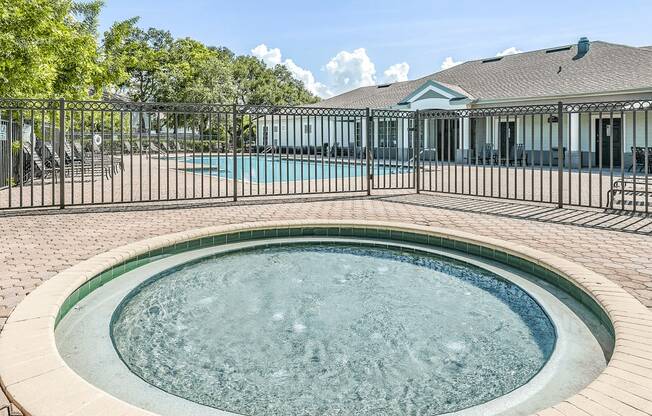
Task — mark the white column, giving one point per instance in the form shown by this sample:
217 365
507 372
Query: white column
405 140
425 142
374 141
488 127
463 152
574 145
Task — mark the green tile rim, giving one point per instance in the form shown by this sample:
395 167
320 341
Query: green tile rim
490 252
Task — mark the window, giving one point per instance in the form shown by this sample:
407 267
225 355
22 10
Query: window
388 133
307 128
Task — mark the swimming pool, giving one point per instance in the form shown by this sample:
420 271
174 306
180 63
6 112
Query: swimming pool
269 168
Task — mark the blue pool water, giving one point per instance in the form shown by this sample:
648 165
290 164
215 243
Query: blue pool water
281 169
332 330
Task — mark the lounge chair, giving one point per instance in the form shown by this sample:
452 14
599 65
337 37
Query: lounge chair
135 147
77 148
150 147
32 159
51 158
75 165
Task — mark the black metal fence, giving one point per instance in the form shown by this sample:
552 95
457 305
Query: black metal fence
79 153
582 154
63 153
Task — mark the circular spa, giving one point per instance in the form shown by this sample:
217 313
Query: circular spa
332 325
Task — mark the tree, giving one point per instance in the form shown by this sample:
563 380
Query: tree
135 58
51 48
195 73
252 81
255 83
48 48
289 90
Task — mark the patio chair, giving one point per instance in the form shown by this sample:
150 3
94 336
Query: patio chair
518 155
486 155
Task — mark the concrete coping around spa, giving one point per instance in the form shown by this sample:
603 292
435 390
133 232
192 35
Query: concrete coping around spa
36 378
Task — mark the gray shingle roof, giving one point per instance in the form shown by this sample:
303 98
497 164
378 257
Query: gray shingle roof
606 67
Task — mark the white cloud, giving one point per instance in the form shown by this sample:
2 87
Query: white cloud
307 78
509 51
348 70
272 57
449 63
397 72
345 71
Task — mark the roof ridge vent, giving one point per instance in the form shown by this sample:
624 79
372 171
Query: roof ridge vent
496 59
563 48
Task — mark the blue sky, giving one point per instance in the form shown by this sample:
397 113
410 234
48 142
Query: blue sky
334 45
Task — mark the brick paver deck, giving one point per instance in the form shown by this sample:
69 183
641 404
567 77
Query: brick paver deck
35 246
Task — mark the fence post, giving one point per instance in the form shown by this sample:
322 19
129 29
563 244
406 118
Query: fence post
560 155
235 152
417 149
368 154
62 153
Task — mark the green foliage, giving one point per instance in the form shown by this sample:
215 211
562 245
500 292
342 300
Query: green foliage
257 84
149 65
194 73
135 58
51 48
48 48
